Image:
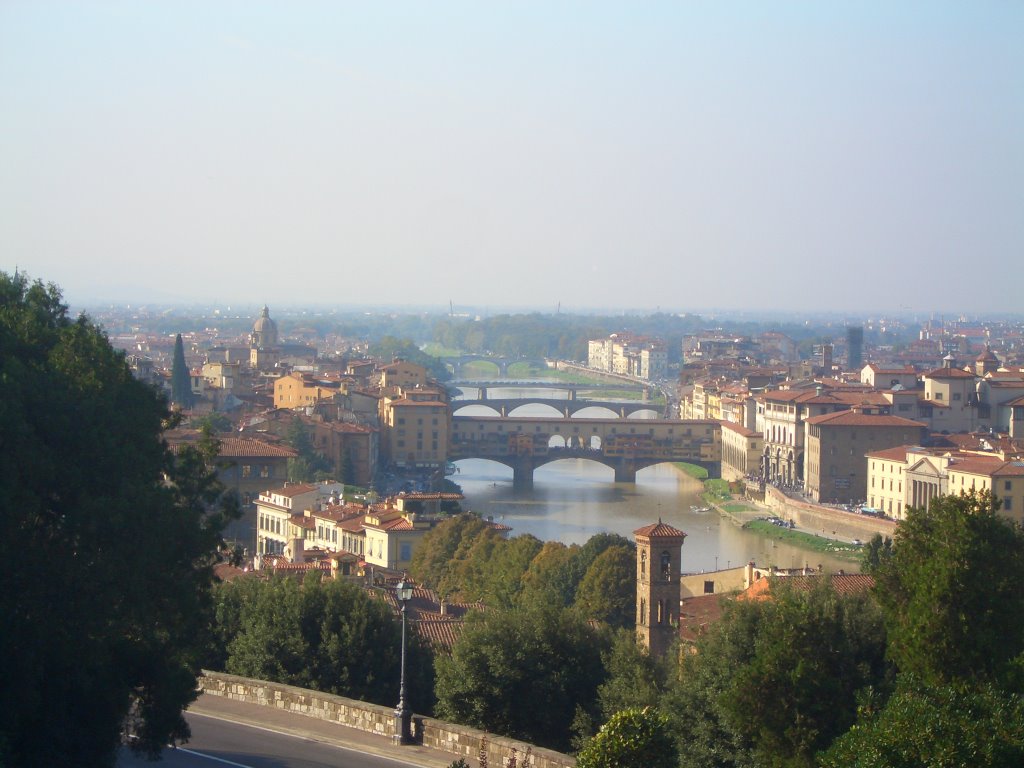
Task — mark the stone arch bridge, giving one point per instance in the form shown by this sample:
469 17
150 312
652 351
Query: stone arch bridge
455 364
568 408
625 445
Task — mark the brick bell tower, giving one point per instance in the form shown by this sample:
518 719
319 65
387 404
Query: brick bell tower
659 554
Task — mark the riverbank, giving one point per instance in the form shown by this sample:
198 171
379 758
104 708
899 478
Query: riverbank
752 515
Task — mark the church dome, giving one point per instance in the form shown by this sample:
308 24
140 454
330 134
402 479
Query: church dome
264 330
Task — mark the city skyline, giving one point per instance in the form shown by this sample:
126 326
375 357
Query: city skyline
598 156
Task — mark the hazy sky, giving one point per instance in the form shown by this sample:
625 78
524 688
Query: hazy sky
681 155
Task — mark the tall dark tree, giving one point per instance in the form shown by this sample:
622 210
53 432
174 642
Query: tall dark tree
951 594
108 544
181 379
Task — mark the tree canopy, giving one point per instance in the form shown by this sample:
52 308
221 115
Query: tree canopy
632 738
108 545
776 681
521 673
324 634
950 591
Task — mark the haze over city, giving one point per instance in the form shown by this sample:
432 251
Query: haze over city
864 157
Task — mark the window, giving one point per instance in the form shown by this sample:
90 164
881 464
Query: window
246 470
265 470
1007 503
666 566
405 551
1007 485
709 587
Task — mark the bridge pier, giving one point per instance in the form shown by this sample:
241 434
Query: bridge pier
522 475
625 474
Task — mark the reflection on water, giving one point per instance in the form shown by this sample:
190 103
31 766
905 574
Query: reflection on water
573 499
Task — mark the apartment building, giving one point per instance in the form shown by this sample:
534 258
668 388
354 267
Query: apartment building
835 446
642 357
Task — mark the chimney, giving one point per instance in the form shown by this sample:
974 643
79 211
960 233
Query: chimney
444 607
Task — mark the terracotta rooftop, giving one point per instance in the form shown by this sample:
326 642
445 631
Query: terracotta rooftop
857 419
660 530
291 491
696 614
842 583
740 429
899 453
949 373
247 447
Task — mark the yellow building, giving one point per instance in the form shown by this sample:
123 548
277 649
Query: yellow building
391 538
416 427
1004 479
741 451
403 374
299 390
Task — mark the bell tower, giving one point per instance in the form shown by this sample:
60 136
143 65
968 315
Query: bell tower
659 553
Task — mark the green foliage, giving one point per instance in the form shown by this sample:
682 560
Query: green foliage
324 634
181 377
521 673
951 593
692 470
213 423
501 578
440 551
607 591
309 465
108 543
775 681
548 580
635 678
584 557
633 738
946 726
877 550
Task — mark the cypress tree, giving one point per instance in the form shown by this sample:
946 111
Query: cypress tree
181 380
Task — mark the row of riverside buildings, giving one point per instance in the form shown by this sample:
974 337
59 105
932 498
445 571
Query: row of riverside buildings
884 438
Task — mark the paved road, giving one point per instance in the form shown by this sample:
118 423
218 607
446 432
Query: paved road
228 734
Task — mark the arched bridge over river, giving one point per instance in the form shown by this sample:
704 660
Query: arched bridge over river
625 445
506 406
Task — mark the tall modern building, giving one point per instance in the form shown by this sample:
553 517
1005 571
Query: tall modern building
854 348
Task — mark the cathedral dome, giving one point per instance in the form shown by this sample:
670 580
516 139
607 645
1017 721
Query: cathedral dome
264 330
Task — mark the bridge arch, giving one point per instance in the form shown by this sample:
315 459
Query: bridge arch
550 410
475 408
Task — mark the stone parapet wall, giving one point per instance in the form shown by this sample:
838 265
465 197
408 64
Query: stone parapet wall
831 522
459 740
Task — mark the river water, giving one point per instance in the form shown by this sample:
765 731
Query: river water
573 499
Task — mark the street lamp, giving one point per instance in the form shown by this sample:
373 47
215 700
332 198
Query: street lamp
403 715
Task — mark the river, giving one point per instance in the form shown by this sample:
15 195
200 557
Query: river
573 499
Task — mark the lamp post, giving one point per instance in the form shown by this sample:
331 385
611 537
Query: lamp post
403 715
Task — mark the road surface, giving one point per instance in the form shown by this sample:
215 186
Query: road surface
220 743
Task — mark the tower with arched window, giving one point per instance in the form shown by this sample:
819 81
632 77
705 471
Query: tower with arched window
659 554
